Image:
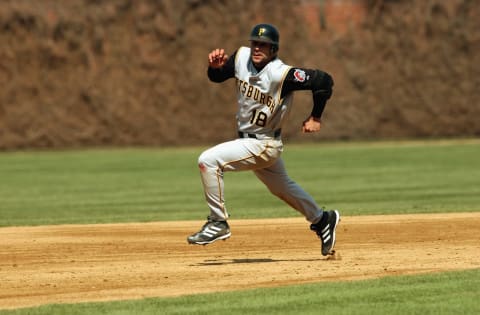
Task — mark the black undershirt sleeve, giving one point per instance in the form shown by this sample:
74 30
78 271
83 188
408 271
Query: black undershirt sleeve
224 73
317 81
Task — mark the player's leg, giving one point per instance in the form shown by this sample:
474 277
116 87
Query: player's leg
275 177
324 223
237 155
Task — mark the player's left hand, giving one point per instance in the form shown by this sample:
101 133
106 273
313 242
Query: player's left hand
311 124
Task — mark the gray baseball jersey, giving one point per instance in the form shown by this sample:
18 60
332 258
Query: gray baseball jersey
261 110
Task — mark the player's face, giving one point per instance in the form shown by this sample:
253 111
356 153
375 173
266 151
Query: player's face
261 53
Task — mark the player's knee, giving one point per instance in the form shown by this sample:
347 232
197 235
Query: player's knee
204 161
201 164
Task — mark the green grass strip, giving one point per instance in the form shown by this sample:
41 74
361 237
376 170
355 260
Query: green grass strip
437 294
139 185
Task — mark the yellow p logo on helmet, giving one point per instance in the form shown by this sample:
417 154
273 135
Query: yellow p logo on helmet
266 33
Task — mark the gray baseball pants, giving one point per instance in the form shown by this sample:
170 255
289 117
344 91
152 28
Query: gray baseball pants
263 158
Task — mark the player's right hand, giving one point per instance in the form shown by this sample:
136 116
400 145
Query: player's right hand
217 58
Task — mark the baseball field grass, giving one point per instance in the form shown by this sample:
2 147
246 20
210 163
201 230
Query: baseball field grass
446 293
139 185
162 184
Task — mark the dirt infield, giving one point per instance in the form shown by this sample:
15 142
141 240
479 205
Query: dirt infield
76 263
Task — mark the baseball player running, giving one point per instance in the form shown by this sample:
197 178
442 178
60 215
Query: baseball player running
265 87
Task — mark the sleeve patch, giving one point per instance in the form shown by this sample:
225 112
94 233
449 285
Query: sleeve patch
300 75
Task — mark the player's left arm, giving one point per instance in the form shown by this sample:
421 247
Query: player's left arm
321 85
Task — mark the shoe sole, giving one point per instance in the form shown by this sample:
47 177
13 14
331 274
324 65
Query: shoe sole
332 251
223 237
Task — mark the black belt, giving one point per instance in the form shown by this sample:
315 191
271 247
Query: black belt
241 134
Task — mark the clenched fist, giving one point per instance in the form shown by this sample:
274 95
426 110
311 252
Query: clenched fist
311 124
217 58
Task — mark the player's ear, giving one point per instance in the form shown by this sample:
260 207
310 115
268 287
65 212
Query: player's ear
273 49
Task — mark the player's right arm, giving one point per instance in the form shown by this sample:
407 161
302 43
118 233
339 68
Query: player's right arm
220 66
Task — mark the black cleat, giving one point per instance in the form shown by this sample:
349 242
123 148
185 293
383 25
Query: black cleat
211 231
325 230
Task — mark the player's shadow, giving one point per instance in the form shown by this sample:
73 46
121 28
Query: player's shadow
217 262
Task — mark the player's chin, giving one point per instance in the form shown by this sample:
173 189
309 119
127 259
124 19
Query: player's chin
258 59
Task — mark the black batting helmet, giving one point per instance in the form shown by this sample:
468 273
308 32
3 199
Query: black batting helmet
266 33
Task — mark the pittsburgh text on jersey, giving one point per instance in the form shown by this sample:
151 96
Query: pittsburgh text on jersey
252 92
